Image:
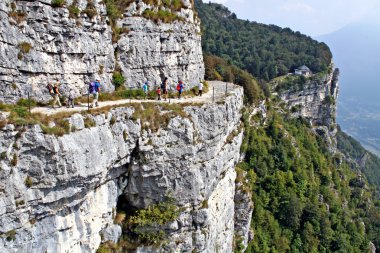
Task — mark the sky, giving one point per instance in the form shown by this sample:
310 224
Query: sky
311 17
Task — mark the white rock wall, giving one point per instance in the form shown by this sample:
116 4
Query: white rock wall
76 51
77 179
312 100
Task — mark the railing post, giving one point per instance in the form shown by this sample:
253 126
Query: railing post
226 88
88 100
130 94
29 103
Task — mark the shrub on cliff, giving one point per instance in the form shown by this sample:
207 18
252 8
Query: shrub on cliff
90 10
218 69
118 79
74 11
58 3
147 224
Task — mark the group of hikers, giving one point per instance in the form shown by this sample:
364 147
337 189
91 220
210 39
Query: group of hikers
94 90
163 89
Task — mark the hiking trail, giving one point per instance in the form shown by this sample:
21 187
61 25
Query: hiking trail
219 88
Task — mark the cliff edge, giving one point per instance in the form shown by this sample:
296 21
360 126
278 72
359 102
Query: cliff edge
62 194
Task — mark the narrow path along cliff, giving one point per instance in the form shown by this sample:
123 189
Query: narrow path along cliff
216 89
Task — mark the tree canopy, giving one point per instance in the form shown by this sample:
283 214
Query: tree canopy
265 51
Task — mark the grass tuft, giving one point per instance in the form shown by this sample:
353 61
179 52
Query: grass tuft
58 3
28 181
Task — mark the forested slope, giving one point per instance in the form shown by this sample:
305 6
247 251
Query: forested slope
306 199
266 51
364 160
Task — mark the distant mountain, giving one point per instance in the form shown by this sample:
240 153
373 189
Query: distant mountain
356 50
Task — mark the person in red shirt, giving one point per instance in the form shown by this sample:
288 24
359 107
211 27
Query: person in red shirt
158 93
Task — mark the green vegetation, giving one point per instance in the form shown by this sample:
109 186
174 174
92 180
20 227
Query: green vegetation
265 51
3 155
289 83
24 48
58 3
173 5
74 11
20 117
144 226
90 10
19 202
165 16
218 69
11 235
154 116
118 79
329 100
89 122
115 10
101 70
165 13
306 200
146 223
369 163
14 160
17 15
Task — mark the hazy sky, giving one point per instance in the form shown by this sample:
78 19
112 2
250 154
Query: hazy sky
312 17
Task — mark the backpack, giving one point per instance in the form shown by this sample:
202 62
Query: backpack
50 88
162 86
178 87
91 89
55 90
96 87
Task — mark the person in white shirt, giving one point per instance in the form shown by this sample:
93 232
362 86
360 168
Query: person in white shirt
200 89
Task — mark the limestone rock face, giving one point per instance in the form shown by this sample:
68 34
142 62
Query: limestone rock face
60 194
41 44
150 51
317 103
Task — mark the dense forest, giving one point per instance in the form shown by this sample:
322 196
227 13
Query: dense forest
306 200
265 51
368 163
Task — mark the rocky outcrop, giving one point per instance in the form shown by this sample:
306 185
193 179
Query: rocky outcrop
316 102
151 51
60 194
41 44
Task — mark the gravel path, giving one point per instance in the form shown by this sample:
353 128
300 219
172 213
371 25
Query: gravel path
218 87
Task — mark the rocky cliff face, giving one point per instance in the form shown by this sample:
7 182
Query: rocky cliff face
316 101
60 194
41 44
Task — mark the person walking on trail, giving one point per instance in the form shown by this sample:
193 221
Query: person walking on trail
200 89
56 96
165 88
146 89
94 89
180 87
70 99
158 91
